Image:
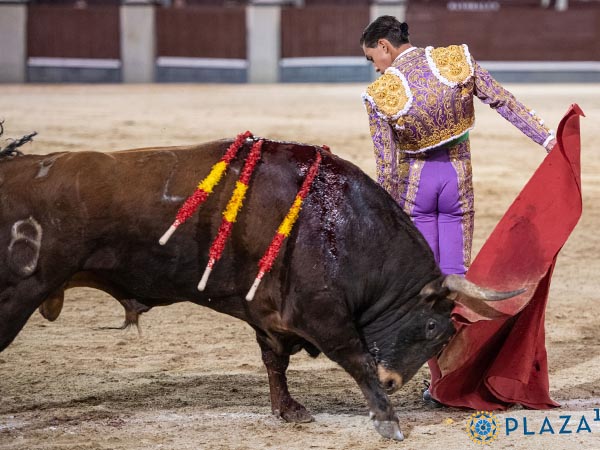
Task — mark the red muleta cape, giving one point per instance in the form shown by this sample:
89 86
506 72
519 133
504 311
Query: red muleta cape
493 364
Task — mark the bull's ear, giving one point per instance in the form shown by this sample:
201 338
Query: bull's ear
435 289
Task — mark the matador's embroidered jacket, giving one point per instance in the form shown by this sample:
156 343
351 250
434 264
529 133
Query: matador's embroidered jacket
425 100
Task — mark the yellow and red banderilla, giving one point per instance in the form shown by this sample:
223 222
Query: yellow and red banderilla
234 206
205 187
266 262
231 211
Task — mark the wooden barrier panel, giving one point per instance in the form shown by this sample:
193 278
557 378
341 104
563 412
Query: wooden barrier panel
67 32
511 33
201 32
337 2
323 30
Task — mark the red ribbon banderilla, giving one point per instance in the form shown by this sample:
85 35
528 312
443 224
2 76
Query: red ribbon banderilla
231 211
205 187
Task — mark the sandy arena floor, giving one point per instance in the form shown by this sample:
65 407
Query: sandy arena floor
195 380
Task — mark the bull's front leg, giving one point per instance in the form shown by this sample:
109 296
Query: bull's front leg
282 403
345 347
363 368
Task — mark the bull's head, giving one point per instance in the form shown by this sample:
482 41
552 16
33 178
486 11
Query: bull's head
427 327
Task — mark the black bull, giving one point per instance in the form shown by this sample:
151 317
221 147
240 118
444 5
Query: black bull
355 280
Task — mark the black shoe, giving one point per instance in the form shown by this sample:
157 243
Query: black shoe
427 398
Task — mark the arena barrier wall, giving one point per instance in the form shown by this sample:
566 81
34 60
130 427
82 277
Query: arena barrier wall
66 44
277 42
201 44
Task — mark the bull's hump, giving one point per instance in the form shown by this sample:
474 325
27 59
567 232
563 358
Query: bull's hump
304 154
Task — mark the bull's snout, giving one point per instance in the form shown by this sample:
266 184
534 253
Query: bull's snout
390 381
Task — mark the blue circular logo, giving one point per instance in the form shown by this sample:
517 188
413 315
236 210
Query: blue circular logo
483 427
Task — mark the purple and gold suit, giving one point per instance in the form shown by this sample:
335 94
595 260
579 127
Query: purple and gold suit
420 114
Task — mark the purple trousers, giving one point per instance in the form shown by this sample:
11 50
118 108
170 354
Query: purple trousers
438 196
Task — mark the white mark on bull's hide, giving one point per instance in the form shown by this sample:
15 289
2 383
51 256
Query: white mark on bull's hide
165 194
45 166
24 247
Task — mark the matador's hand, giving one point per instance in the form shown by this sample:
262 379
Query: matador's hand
550 145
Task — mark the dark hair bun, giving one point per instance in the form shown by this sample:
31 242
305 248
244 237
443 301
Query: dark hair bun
404 32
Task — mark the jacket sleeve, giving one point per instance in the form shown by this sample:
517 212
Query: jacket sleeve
490 92
386 151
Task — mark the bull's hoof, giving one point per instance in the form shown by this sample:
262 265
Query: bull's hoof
296 413
389 429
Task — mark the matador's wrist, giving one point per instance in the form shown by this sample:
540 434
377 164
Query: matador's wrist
550 145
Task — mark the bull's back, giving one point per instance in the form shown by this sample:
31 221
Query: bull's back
115 206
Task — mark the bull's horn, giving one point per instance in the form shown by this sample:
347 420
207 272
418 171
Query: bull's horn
465 287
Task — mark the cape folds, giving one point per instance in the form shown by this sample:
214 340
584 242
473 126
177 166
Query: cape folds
494 364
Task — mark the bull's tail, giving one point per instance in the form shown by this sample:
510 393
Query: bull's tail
11 149
133 310
128 323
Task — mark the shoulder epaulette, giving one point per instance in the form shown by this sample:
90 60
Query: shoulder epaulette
390 94
451 65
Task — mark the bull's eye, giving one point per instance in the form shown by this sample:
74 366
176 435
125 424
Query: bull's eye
431 329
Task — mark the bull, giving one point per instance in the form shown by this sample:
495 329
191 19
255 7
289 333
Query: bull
355 280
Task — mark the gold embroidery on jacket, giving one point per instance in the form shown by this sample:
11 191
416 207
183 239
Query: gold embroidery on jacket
438 112
460 158
384 162
452 63
428 135
508 106
389 94
415 166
